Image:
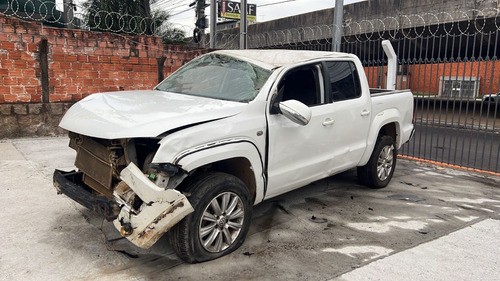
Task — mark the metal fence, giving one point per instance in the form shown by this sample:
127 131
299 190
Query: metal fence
451 67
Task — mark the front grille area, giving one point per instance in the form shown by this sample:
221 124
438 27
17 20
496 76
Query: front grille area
97 159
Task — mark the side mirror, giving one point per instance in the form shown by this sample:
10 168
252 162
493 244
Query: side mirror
296 111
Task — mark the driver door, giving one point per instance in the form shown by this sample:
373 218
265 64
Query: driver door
299 154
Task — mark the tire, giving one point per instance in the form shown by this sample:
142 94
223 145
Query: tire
377 173
199 238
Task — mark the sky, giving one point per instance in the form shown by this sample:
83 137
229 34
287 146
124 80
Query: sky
184 17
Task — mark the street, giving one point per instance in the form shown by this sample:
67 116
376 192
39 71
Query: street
457 146
331 229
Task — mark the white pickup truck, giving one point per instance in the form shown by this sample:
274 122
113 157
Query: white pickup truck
223 133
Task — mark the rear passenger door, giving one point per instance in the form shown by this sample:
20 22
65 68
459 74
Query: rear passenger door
350 109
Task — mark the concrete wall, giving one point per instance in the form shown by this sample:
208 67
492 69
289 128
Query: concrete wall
359 18
31 119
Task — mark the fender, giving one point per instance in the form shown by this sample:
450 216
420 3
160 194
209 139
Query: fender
213 152
383 118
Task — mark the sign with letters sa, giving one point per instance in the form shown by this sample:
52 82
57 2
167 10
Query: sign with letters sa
232 10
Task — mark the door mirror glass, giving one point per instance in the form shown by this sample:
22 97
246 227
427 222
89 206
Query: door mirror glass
296 111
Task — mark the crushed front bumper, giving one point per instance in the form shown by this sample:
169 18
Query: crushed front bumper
161 210
71 185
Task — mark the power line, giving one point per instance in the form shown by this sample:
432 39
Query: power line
181 12
275 3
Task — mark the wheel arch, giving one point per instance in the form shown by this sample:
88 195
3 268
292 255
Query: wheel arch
384 124
240 159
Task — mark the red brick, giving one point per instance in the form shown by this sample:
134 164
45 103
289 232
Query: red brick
4 90
104 59
27 81
128 67
17 90
115 59
10 98
7 28
76 97
57 57
82 58
9 46
70 58
71 42
16 72
9 81
87 66
107 66
28 57
76 66
36 98
64 65
55 97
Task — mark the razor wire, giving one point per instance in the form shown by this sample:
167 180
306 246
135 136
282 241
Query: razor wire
412 26
100 20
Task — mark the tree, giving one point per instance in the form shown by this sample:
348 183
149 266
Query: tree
129 16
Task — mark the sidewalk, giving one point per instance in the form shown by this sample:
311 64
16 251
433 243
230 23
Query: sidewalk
429 224
472 253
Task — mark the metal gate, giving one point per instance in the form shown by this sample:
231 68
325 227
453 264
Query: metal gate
451 67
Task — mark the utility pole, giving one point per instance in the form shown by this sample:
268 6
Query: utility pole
338 19
201 24
243 25
213 22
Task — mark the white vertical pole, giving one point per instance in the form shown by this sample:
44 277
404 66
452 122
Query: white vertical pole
243 25
392 64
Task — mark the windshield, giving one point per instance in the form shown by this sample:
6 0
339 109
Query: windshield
219 77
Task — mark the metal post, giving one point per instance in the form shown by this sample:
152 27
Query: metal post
392 64
243 25
200 16
213 22
338 18
68 16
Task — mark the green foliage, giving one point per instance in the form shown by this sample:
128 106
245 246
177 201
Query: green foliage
130 16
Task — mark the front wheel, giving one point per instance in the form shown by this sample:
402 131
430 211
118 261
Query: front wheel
377 173
220 221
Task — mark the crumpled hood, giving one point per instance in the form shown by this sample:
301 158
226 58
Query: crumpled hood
129 114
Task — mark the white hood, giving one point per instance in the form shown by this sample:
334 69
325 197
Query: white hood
129 114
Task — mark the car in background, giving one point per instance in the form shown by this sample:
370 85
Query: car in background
492 98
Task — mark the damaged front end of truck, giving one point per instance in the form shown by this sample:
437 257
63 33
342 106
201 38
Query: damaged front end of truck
142 202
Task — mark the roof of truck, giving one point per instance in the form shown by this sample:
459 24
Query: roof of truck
272 59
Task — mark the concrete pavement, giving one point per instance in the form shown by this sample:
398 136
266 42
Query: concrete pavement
428 224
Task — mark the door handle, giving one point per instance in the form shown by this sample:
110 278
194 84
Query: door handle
328 122
365 112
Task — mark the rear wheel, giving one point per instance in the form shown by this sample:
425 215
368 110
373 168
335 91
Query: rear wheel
377 173
220 221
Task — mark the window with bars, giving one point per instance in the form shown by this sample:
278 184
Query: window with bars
459 87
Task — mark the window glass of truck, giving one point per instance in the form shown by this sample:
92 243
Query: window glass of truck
219 77
344 80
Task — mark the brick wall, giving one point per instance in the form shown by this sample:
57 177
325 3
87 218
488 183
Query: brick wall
77 63
424 79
